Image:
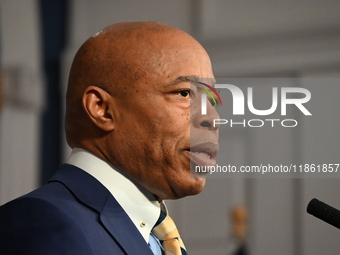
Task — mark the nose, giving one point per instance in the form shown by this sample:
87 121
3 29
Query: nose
204 121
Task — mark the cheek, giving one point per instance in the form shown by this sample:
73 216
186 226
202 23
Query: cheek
169 123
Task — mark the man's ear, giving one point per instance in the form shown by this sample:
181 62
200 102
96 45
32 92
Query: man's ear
98 104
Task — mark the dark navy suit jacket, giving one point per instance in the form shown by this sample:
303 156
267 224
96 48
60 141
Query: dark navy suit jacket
72 214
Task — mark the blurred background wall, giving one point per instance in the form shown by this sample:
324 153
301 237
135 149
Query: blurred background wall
264 38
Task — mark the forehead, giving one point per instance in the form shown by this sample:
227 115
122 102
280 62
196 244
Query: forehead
168 59
188 65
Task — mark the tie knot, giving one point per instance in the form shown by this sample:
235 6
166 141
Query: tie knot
166 229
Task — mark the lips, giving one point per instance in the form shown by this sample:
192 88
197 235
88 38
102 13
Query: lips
203 154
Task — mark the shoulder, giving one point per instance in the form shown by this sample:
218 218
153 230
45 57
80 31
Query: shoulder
62 217
33 225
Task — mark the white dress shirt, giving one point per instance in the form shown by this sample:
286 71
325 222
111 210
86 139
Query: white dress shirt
140 205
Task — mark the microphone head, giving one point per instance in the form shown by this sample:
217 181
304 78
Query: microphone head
324 212
314 206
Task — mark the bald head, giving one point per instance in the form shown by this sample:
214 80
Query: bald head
120 51
116 59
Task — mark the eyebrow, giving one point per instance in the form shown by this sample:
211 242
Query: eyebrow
188 78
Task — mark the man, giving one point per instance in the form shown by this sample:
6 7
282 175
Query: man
133 120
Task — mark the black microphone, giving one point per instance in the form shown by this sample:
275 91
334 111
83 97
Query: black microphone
324 212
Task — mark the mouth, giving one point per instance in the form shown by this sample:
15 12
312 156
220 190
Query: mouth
203 154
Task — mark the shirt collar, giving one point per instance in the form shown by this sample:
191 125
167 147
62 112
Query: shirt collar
140 205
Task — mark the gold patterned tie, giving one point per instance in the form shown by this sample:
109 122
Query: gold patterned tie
168 234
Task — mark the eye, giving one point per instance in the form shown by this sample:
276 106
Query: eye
185 93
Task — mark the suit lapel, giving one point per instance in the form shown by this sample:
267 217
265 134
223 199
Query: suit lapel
112 216
122 229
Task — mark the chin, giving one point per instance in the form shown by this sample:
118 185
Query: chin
198 187
192 187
